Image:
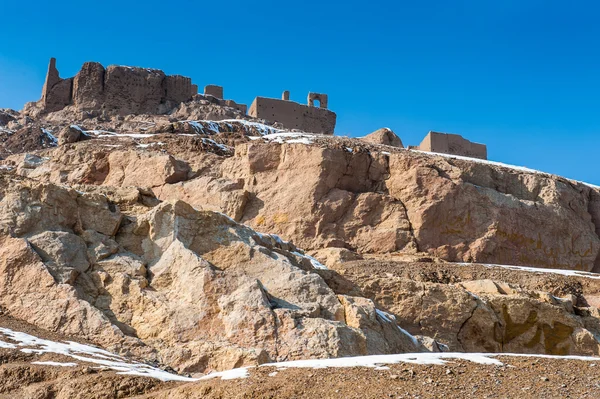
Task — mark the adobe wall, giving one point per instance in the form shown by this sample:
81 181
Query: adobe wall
293 115
116 89
214 90
453 144
57 92
214 94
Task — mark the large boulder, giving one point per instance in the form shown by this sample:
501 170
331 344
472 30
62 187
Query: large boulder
129 168
383 136
70 134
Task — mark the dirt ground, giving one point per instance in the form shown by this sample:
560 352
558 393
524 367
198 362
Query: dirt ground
524 377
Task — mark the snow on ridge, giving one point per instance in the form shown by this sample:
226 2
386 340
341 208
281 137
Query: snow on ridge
261 127
232 374
564 272
504 165
378 362
374 361
214 127
290 137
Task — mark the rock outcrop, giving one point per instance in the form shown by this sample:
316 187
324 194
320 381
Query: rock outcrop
342 193
474 308
454 209
383 136
192 289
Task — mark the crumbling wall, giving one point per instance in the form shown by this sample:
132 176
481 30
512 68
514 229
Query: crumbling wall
117 89
56 93
178 88
453 144
215 94
88 87
293 115
214 90
133 90
321 98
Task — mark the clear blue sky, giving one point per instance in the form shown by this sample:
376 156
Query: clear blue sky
521 76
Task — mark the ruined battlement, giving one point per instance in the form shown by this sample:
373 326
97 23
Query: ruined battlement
293 115
118 89
453 144
124 90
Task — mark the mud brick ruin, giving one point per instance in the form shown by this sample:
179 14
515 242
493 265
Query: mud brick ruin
215 94
123 90
452 144
119 89
294 115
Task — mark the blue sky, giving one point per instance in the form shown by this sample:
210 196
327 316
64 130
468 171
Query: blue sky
521 76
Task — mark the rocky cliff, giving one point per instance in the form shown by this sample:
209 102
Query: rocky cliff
202 244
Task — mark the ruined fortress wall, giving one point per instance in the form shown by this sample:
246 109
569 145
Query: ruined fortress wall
453 144
133 90
57 92
88 86
293 115
116 89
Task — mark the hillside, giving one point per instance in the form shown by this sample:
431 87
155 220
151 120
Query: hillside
201 240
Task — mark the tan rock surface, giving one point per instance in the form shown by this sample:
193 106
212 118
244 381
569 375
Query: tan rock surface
366 200
510 311
383 136
190 288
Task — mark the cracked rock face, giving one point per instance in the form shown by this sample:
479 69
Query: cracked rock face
144 260
366 200
191 289
455 210
507 311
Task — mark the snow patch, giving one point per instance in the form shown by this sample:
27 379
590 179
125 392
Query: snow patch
213 143
374 361
85 353
59 364
50 136
227 375
290 137
425 358
6 345
260 127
